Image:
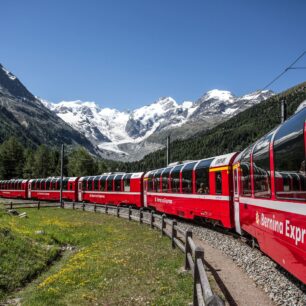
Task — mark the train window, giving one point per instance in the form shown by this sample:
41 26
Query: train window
289 159
245 166
150 181
47 185
261 167
38 185
118 182
202 176
65 184
187 178
175 178
165 180
218 180
109 183
127 182
157 180
89 183
54 184
96 183
103 183
84 183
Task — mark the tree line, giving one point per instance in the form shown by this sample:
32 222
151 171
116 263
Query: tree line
16 161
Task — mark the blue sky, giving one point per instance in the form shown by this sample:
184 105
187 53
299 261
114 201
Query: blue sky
127 53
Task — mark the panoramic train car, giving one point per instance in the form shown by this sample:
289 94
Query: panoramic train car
196 189
48 189
14 188
112 188
270 194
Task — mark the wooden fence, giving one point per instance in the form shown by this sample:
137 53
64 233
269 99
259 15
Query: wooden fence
194 255
32 204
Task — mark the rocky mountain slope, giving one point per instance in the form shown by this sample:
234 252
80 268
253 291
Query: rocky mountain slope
131 135
24 116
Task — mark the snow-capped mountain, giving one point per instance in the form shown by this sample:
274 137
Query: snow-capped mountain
131 135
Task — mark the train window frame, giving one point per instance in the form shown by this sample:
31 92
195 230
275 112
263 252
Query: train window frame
203 165
157 179
90 183
96 182
165 177
109 183
246 158
118 182
150 182
176 171
65 183
84 183
103 183
294 148
261 150
188 168
127 182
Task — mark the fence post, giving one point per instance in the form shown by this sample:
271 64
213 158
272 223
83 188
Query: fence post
83 206
198 254
106 209
38 205
152 219
130 213
95 208
188 233
63 206
140 215
11 205
118 211
163 224
173 233
73 205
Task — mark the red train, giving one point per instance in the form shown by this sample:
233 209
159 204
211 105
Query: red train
260 192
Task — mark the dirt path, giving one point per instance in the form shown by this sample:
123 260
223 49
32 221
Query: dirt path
237 287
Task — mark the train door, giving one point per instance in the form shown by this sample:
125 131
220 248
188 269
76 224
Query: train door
236 200
29 190
145 186
80 198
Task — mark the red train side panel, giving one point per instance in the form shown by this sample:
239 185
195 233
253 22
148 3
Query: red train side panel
196 189
270 194
14 188
49 189
112 188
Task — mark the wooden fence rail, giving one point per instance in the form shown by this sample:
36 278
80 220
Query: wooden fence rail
194 255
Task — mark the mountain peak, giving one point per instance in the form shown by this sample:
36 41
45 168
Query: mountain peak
10 84
219 94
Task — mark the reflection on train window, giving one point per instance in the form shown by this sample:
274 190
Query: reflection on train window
175 179
118 183
289 159
127 182
261 167
96 184
245 167
202 176
165 180
84 183
218 180
89 184
150 181
110 183
157 180
102 183
187 178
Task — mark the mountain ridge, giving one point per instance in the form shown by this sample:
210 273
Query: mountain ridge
121 134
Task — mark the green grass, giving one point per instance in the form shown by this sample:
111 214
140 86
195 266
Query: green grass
115 262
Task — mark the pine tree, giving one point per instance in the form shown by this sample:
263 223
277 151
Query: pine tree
11 159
